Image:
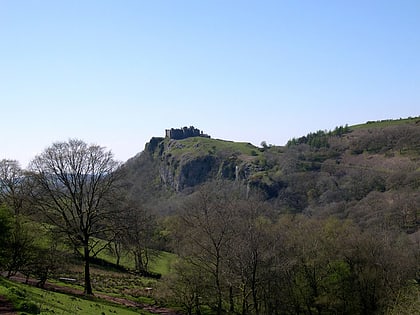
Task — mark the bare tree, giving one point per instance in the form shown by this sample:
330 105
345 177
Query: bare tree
75 188
140 226
13 188
249 253
203 233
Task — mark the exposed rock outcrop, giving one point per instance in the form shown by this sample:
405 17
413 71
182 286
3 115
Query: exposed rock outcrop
183 164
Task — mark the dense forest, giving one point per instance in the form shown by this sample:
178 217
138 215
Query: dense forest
328 224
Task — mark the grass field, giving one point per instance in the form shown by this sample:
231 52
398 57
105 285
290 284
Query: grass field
386 123
105 280
31 300
198 146
159 263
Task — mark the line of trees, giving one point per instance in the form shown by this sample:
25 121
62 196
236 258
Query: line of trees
236 257
320 138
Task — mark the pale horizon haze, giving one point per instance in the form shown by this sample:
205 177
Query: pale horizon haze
116 73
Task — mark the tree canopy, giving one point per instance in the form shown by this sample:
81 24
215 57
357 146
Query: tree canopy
75 187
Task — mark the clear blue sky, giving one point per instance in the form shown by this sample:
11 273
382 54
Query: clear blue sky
117 73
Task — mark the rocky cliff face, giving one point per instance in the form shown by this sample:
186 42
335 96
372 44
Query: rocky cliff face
187 172
189 162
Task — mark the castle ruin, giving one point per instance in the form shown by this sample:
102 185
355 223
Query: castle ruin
185 132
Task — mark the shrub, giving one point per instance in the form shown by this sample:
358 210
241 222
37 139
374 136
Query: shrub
29 307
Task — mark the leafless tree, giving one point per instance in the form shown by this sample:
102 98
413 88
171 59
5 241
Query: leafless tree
202 236
13 187
249 254
138 237
76 187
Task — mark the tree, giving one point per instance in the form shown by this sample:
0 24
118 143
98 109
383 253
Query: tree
13 186
249 253
138 237
47 258
75 187
188 285
5 228
202 235
334 267
18 247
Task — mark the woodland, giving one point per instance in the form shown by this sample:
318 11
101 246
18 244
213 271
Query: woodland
327 224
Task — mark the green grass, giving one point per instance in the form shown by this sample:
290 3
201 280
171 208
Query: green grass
25 297
197 146
161 263
106 280
385 123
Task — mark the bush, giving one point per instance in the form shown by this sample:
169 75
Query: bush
14 291
29 307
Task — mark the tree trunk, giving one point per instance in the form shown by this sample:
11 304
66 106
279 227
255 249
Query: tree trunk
117 249
231 302
197 305
88 284
254 283
219 291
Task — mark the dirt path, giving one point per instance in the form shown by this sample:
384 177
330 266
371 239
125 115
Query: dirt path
6 307
67 290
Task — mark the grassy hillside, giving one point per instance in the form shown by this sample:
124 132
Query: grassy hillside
160 262
198 146
387 123
31 300
106 280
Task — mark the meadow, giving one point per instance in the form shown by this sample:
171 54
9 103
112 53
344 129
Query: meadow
115 292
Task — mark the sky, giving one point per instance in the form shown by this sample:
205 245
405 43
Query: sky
116 73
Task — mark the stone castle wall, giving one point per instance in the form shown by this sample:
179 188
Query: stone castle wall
185 132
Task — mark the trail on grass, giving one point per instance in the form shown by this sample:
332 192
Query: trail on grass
73 291
6 307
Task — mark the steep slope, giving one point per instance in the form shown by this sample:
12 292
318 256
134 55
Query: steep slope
189 162
369 173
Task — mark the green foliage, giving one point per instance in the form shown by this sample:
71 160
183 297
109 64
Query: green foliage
20 245
5 222
319 139
5 227
29 307
236 259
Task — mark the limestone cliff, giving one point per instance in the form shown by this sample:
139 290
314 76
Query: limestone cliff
188 162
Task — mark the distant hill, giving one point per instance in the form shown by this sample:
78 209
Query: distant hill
369 172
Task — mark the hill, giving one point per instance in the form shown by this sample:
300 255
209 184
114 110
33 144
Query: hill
368 172
327 224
